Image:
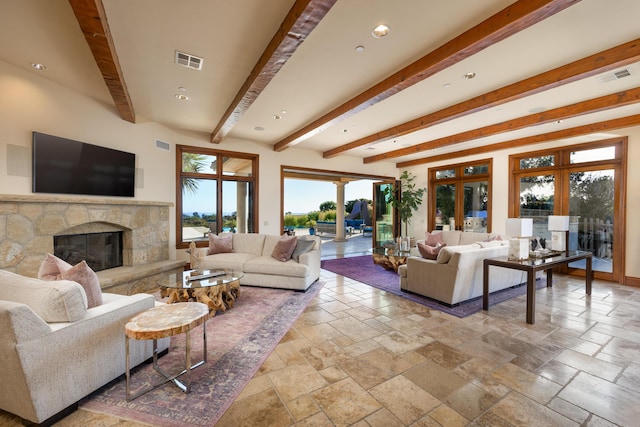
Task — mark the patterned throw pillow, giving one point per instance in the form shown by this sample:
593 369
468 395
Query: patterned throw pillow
88 279
284 248
220 244
430 252
433 239
53 268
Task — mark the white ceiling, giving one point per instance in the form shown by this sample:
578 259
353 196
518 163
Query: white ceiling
325 71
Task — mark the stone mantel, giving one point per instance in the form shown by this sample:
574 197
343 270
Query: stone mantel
28 224
30 198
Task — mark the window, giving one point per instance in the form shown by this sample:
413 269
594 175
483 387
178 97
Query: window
460 197
583 182
216 192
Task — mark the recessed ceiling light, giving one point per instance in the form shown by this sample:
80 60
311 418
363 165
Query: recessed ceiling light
446 85
182 88
276 117
469 76
258 128
38 66
182 97
380 31
359 48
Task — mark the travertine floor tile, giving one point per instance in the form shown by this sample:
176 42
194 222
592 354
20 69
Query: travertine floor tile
607 400
519 410
404 399
345 402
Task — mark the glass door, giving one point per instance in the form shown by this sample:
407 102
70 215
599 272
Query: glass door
384 217
591 207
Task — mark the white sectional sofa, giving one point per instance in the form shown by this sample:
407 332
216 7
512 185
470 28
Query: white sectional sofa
456 275
251 255
54 351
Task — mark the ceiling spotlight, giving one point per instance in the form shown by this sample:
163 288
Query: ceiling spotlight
469 76
283 112
380 31
182 88
359 48
446 85
182 97
38 66
258 128
276 117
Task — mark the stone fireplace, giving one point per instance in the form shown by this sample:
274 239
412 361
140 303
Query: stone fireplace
29 224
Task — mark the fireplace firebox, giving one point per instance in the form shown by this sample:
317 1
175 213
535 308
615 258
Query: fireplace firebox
100 250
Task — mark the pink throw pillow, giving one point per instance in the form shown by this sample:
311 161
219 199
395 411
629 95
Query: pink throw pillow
220 244
88 279
52 268
433 239
430 252
284 248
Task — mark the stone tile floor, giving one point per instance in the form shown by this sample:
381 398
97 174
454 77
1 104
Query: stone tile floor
360 357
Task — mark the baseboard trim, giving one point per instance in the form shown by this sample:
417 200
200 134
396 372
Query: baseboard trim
632 281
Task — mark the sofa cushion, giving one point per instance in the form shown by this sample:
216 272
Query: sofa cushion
469 237
428 251
220 244
232 261
303 245
271 266
53 301
88 279
52 268
284 248
250 243
451 237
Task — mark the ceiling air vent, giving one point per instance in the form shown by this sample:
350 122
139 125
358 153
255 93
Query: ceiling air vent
189 61
614 76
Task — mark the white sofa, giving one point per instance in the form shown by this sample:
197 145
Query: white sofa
54 351
252 256
456 275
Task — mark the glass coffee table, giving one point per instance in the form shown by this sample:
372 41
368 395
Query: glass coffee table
217 288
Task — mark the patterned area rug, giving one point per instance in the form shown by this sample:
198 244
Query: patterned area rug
239 341
362 269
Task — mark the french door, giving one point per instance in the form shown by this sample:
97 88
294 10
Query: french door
586 183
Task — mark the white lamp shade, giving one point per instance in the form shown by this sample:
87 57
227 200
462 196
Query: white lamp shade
558 223
519 227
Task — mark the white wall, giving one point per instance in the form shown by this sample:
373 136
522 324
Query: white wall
30 102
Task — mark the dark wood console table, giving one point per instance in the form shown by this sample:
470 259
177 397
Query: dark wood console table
531 266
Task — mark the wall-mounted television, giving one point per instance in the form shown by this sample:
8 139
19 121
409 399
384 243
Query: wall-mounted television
65 166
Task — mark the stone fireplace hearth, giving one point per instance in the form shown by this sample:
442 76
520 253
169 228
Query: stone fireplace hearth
28 225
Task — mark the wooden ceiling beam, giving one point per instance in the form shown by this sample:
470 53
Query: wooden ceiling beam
302 19
607 102
516 17
604 126
92 18
601 62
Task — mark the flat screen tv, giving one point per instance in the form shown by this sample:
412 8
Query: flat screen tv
65 166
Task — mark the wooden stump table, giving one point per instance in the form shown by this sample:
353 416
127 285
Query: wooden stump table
217 289
389 258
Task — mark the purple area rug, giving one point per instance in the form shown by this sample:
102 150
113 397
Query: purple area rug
362 269
239 341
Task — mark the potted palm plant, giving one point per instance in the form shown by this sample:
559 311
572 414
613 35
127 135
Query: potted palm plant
406 198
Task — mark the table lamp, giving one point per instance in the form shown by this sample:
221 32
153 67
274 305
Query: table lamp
559 227
519 229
